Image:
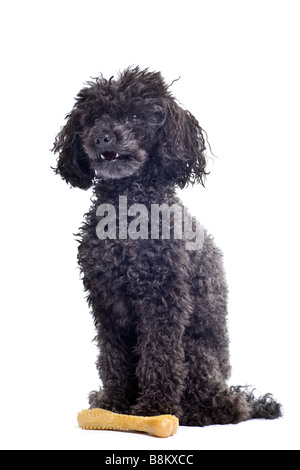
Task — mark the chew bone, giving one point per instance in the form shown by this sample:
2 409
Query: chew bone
97 418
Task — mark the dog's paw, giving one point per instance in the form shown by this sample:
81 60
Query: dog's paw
149 409
112 403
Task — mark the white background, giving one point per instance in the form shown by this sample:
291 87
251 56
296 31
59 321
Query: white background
239 67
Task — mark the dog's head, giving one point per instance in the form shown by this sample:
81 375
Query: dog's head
128 127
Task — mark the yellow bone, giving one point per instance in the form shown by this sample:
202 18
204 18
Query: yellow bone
97 418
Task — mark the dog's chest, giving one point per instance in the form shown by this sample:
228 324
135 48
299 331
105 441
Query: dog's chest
109 263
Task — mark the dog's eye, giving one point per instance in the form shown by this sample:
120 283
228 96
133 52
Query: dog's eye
96 120
133 118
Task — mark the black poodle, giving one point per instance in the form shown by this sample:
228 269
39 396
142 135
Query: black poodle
158 301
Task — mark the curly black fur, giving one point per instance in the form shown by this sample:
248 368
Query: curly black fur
159 310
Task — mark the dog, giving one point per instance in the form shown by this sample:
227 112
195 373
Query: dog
159 303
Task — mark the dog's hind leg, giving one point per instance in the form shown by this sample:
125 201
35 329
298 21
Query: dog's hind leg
207 399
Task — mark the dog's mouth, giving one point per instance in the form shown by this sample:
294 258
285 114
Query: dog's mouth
110 156
110 164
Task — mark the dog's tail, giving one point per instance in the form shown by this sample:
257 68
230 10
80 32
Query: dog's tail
265 406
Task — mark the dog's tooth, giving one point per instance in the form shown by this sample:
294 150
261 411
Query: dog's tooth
103 157
117 155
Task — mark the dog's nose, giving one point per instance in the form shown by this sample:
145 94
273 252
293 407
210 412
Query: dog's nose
103 140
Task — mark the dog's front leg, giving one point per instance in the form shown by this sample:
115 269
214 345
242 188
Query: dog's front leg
161 370
116 365
116 340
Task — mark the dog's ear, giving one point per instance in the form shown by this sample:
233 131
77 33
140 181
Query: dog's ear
73 163
182 147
